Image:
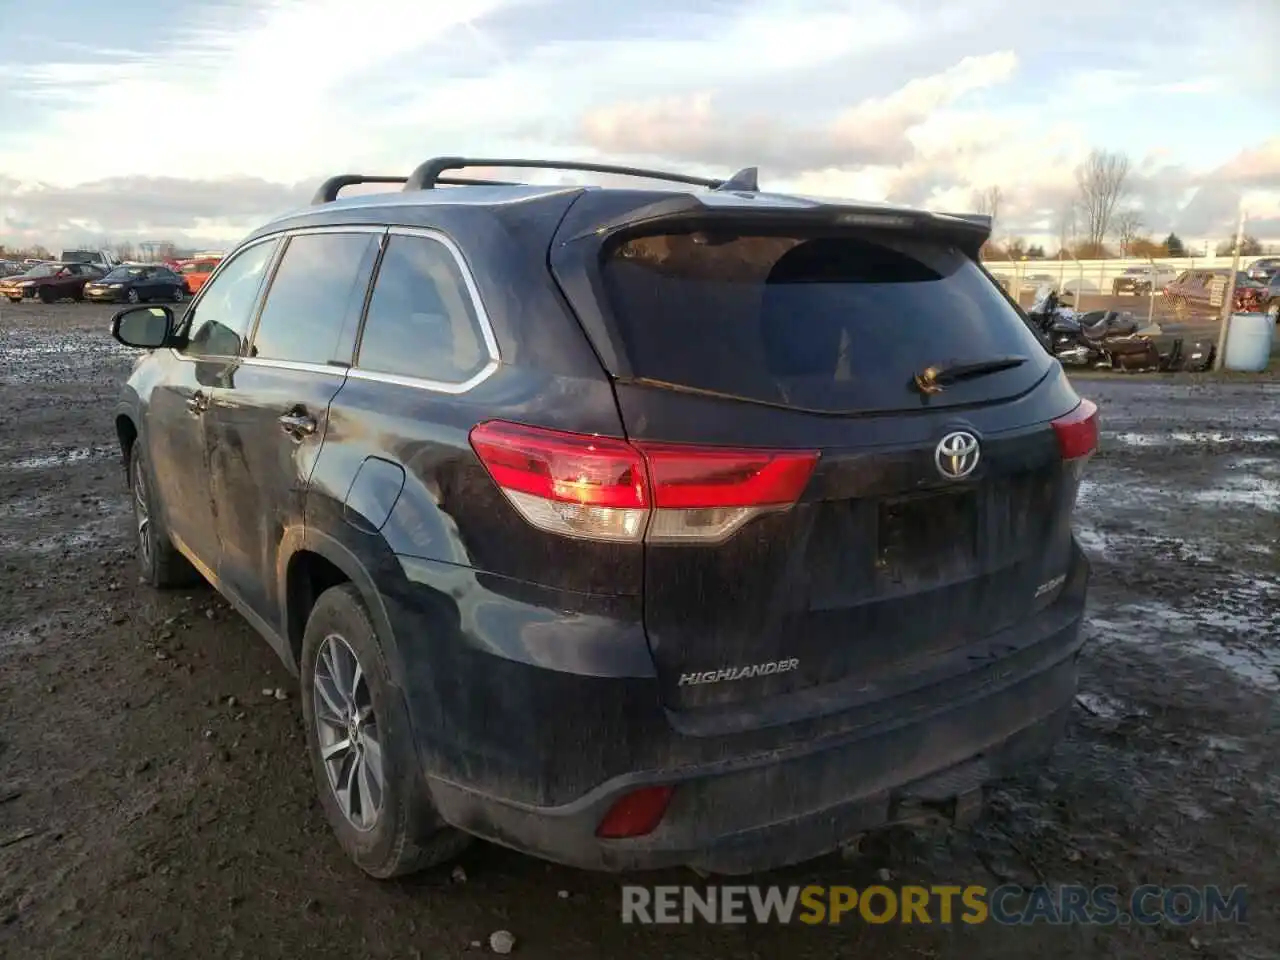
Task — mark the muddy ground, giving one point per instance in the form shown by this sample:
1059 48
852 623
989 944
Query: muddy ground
143 812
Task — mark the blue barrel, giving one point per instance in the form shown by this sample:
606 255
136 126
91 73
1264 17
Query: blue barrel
1249 342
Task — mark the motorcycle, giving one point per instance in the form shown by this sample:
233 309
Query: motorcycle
1098 338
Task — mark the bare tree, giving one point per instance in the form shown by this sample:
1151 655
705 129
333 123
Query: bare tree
987 201
1103 182
124 251
1068 225
1127 224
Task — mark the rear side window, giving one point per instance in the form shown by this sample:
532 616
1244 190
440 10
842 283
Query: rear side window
830 323
318 289
422 320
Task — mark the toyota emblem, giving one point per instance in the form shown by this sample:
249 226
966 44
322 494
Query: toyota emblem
957 455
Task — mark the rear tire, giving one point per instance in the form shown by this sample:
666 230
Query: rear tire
178 295
403 833
159 561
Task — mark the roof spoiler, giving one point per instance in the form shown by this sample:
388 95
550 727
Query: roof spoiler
707 211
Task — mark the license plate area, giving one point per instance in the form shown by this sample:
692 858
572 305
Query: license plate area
927 537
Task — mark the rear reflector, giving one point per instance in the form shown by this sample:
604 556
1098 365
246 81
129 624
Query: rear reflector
603 488
635 814
1078 431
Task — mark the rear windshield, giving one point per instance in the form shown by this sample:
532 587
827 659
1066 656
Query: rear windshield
822 323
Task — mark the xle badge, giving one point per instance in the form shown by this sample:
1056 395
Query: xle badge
738 673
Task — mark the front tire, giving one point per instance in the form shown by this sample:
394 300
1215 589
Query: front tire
47 295
178 294
361 745
132 296
159 561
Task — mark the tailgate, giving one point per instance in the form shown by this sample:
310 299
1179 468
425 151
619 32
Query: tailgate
925 519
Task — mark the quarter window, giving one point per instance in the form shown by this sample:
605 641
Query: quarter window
220 320
422 321
317 290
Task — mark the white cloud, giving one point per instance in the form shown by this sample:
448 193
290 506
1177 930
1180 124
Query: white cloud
907 100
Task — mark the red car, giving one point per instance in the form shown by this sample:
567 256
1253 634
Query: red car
50 282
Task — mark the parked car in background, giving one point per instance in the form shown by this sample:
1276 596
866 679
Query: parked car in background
196 272
1206 289
549 577
1141 281
1034 281
137 283
50 282
1263 270
101 259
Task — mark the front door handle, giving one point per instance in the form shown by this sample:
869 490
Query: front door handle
197 403
298 424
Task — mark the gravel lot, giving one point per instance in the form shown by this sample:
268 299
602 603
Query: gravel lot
169 820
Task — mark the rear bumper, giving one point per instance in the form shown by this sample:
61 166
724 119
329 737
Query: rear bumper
528 736
768 813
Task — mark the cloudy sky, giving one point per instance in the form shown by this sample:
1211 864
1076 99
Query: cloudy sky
164 120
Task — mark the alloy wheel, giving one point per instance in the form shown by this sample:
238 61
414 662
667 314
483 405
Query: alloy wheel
132 296
141 512
347 733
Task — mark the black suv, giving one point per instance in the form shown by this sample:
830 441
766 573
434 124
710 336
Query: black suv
626 527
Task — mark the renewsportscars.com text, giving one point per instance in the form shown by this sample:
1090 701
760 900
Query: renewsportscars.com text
1008 905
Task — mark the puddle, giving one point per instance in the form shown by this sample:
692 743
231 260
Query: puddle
61 459
1101 544
33 631
1181 437
1108 707
99 532
1260 493
1182 633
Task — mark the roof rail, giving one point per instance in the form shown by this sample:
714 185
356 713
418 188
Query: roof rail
427 175
328 191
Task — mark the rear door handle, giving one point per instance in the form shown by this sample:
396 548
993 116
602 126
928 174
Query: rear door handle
197 403
298 423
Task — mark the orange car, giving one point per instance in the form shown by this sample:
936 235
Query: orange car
196 272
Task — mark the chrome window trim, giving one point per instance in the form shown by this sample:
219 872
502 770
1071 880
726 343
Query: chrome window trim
490 340
298 366
355 372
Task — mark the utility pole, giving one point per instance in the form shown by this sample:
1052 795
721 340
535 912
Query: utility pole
1228 305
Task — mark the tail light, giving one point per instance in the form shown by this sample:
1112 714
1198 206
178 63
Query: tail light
1078 431
602 488
635 814
1078 440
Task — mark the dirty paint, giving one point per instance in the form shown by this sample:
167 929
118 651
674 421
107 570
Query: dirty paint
115 723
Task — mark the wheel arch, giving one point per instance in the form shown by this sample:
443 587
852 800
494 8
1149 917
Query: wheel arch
311 562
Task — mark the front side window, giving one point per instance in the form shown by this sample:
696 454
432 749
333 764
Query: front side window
422 321
217 324
318 287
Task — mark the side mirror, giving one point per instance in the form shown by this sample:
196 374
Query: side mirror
147 328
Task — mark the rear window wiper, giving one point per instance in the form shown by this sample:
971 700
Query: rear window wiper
933 379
